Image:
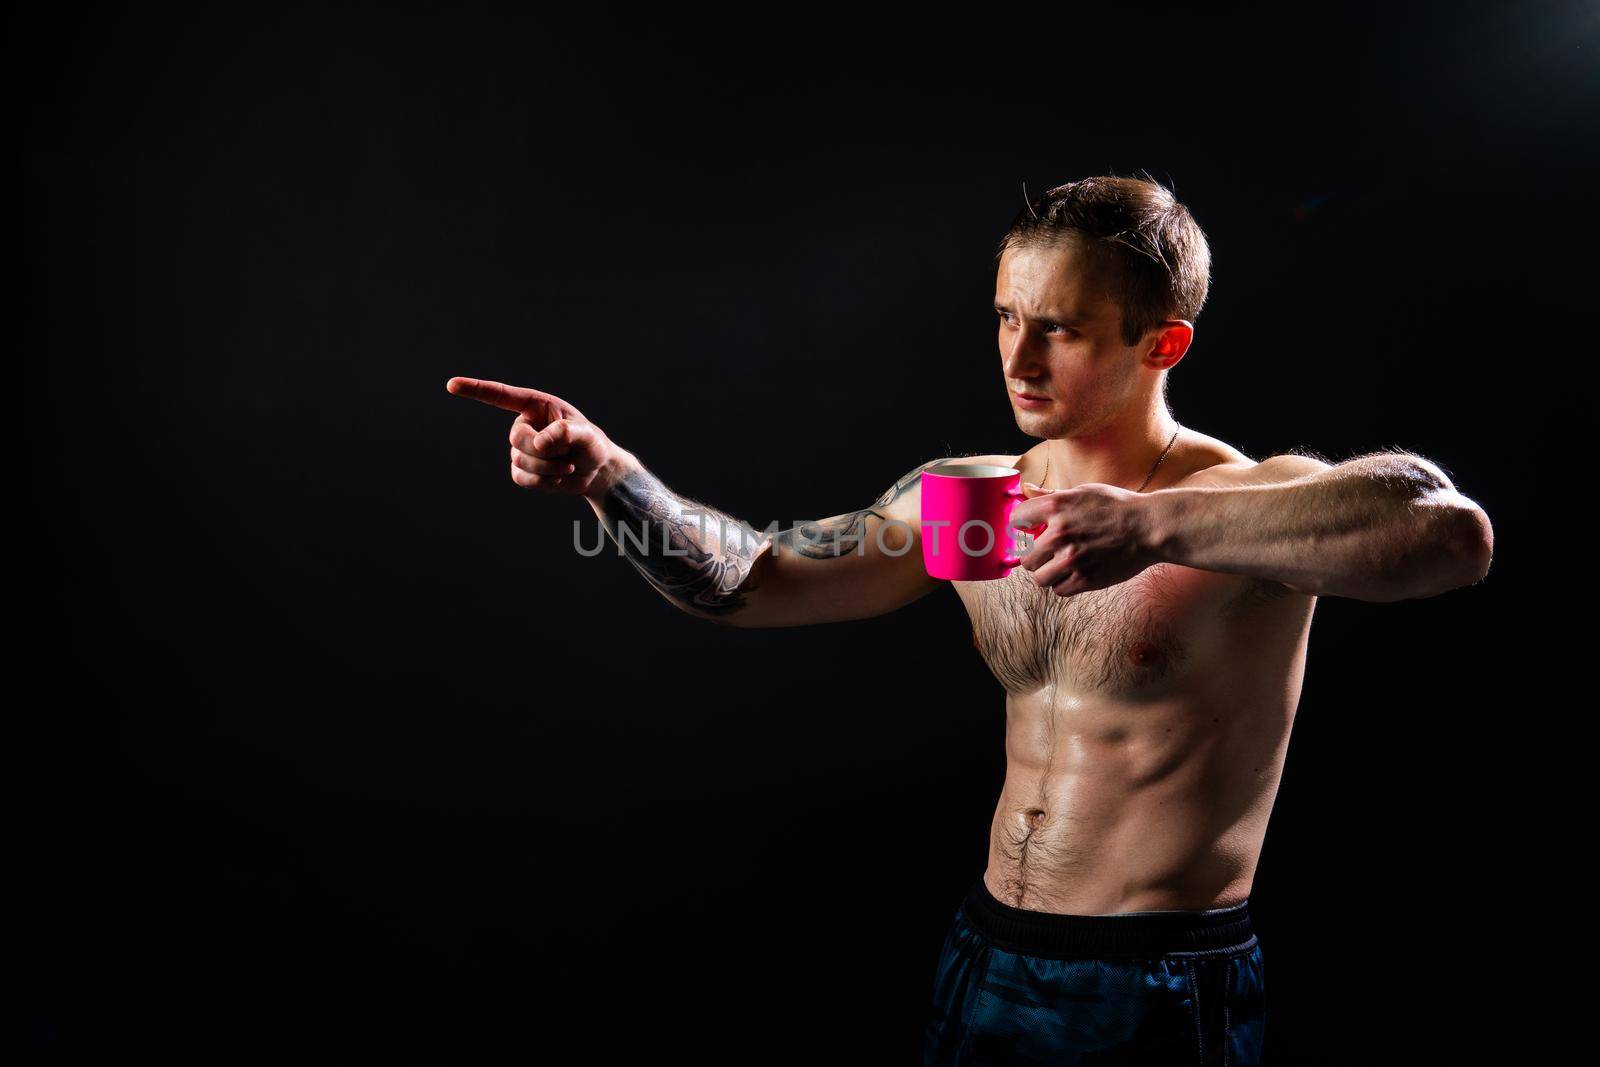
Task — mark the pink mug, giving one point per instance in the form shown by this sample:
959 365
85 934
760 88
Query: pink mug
966 514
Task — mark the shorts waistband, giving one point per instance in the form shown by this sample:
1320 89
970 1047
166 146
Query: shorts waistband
1214 931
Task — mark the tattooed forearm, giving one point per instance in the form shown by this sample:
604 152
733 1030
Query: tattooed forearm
695 555
701 559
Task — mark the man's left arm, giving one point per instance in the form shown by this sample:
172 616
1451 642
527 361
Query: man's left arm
1382 527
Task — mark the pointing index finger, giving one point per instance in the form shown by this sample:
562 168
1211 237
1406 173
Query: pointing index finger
496 394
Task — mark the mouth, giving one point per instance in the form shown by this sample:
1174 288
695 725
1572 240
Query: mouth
1029 400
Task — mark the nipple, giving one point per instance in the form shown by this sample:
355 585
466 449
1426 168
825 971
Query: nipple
1144 653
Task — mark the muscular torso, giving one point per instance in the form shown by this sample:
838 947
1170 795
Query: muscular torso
1146 725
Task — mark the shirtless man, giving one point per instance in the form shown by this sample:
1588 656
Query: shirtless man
1151 645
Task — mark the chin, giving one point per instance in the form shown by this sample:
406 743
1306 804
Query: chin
1038 424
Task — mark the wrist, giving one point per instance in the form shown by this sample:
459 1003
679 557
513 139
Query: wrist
1160 524
620 464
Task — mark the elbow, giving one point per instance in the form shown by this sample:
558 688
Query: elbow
1460 525
1474 543
1453 549
744 607
1460 549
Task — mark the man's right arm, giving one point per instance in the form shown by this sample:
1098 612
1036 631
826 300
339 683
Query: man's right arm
850 566
854 565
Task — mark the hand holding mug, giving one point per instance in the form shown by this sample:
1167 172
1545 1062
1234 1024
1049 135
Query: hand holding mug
1088 537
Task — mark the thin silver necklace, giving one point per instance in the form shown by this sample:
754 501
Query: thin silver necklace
1045 478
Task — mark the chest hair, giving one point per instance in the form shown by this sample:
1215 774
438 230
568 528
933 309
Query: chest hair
1122 638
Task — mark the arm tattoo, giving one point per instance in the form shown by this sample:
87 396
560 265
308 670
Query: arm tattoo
695 555
699 557
840 535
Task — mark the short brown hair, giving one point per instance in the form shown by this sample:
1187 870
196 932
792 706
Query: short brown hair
1134 227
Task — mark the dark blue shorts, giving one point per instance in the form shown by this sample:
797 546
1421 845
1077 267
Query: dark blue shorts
1148 987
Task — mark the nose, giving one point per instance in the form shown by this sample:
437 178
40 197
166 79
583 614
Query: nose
1019 356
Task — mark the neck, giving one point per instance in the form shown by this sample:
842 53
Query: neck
1120 453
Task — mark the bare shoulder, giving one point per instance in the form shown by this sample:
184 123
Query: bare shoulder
1210 462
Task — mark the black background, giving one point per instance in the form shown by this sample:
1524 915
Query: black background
338 750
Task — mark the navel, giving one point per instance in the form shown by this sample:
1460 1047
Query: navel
1035 818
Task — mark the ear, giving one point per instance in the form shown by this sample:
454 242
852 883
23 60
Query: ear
1172 343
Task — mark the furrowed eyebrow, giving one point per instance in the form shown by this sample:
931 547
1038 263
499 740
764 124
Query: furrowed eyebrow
1053 320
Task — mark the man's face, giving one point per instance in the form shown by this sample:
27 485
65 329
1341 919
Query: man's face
1061 339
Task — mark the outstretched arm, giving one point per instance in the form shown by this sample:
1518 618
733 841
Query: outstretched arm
1389 526
851 566
1383 527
